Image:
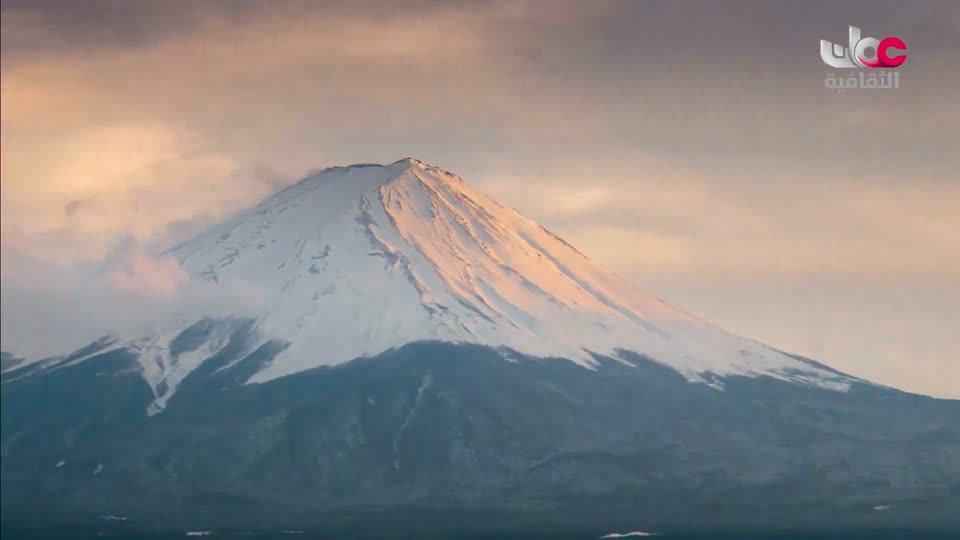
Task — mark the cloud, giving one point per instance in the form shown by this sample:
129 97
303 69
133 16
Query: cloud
48 308
680 217
150 276
81 193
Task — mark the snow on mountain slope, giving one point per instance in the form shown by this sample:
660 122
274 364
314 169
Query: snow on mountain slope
360 259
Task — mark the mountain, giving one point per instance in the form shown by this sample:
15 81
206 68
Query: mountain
428 360
358 260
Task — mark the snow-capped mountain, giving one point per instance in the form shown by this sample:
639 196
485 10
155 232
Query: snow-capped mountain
354 261
360 259
425 351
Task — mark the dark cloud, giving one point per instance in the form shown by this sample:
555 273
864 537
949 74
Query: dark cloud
45 26
557 34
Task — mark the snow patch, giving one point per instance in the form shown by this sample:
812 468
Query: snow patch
424 385
164 373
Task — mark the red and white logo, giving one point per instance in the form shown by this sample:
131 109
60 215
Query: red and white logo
868 52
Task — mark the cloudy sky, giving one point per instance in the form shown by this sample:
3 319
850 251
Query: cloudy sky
689 146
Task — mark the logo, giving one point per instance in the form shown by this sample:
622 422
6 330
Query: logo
865 52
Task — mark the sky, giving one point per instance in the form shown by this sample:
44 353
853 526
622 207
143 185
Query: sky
691 147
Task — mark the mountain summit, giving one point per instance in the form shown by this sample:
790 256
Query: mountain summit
361 259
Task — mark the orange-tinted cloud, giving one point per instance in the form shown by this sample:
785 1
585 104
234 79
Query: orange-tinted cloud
150 276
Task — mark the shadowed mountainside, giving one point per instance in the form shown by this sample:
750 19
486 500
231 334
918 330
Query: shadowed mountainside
459 430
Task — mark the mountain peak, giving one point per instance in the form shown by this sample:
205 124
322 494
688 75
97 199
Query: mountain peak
361 259
412 161
400 164
415 164
367 174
